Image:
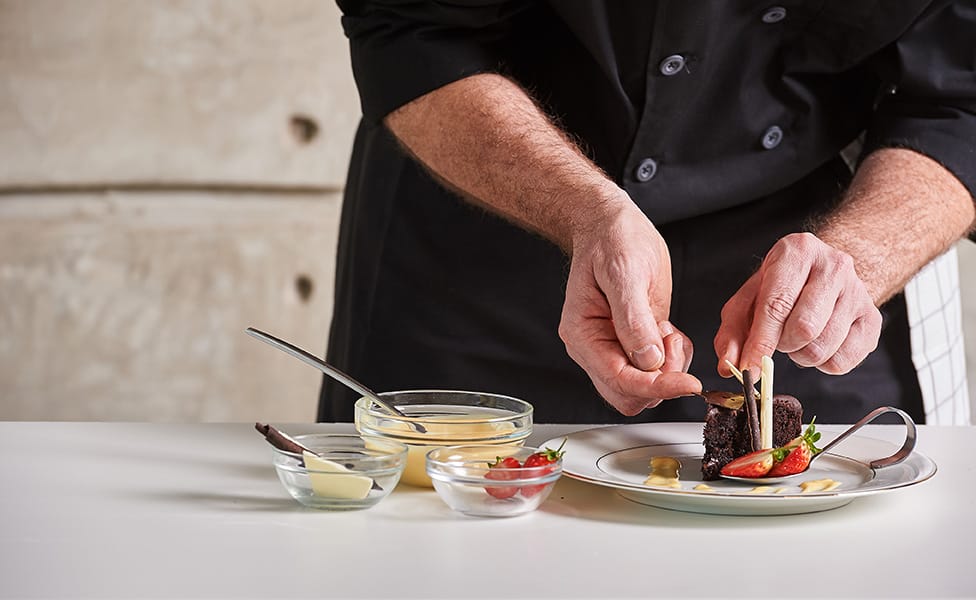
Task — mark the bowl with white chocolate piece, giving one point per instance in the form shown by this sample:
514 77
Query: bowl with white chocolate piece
339 471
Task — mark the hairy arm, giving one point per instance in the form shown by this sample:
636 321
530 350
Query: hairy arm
486 138
902 210
815 296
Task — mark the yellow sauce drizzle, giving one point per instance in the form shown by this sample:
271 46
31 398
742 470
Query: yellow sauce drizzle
664 472
819 485
762 489
704 487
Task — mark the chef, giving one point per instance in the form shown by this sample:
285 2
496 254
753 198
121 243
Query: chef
596 206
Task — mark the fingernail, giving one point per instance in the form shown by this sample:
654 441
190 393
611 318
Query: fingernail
665 327
647 358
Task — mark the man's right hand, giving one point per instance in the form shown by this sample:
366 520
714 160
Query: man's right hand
614 319
484 137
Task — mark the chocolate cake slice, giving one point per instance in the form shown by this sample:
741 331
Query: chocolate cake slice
726 432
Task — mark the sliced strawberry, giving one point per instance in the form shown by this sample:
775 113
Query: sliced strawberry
795 457
754 464
502 470
796 461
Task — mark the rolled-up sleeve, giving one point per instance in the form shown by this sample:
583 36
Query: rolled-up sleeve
932 109
402 49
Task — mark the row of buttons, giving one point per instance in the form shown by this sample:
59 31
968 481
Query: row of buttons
647 168
675 63
672 65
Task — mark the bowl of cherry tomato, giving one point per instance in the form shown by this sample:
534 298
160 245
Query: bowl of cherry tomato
494 481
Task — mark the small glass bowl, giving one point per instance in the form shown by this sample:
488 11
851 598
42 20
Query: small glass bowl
449 418
460 477
357 472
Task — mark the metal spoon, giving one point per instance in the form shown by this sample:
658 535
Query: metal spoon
894 459
331 371
731 400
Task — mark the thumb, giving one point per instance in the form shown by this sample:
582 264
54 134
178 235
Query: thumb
637 330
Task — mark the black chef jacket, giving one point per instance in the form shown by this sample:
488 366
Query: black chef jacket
723 120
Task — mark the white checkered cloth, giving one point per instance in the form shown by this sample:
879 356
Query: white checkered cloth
938 350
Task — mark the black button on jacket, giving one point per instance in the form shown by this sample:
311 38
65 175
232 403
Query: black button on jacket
719 118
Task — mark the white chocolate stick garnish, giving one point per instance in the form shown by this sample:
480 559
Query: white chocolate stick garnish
735 371
766 403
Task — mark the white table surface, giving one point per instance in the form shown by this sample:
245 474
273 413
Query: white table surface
126 510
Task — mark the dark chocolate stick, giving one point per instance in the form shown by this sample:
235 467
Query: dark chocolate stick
278 439
752 411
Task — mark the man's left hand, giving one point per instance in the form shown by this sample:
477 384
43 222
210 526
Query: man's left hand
807 301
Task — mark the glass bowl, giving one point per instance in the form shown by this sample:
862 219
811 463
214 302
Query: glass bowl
349 471
449 418
464 481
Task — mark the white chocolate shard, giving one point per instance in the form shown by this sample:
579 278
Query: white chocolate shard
766 403
331 480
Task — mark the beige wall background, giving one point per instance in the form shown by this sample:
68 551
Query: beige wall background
171 173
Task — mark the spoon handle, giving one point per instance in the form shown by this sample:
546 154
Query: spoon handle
895 458
323 366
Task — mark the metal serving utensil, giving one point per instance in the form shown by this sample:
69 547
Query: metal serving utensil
731 400
332 372
894 459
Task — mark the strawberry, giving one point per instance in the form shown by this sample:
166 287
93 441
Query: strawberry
795 457
503 470
543 459
754 464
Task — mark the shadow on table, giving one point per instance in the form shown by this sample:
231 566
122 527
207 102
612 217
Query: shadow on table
218 501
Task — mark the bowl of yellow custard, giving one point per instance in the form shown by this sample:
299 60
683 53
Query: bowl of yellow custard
438 418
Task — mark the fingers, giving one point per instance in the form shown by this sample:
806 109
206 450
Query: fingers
635 324
734 328
678 349
840 352
806 300
784 274
820 312
633 390
631 267
624 386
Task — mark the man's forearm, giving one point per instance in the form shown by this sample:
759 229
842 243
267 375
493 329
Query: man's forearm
902 210
484 137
